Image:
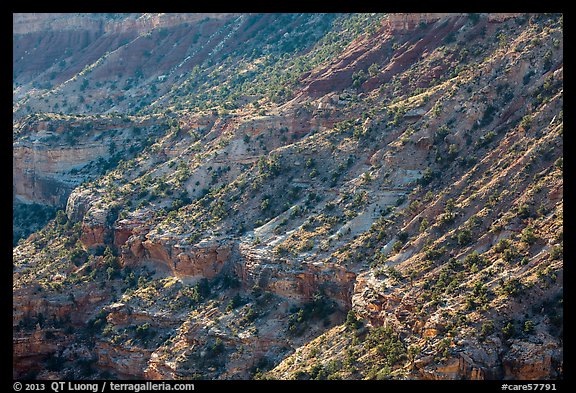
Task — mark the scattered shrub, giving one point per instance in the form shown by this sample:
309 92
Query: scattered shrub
387 344
528 326
556 252
512 287
487 328
528 236
502 245
464 237
523 211
508 330
351 321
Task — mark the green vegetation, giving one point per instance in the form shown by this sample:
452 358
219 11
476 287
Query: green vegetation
387 344
509 330
28 218
290 155
318 309
487 328
528 327
352 322
528 236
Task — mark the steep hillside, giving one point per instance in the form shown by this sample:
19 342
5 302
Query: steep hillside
301 196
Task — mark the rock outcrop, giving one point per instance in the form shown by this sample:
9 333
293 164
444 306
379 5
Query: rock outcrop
52 157
294 279
39 171
533 361
202 260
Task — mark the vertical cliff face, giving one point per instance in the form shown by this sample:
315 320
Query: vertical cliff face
53 154
289 196
39 171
